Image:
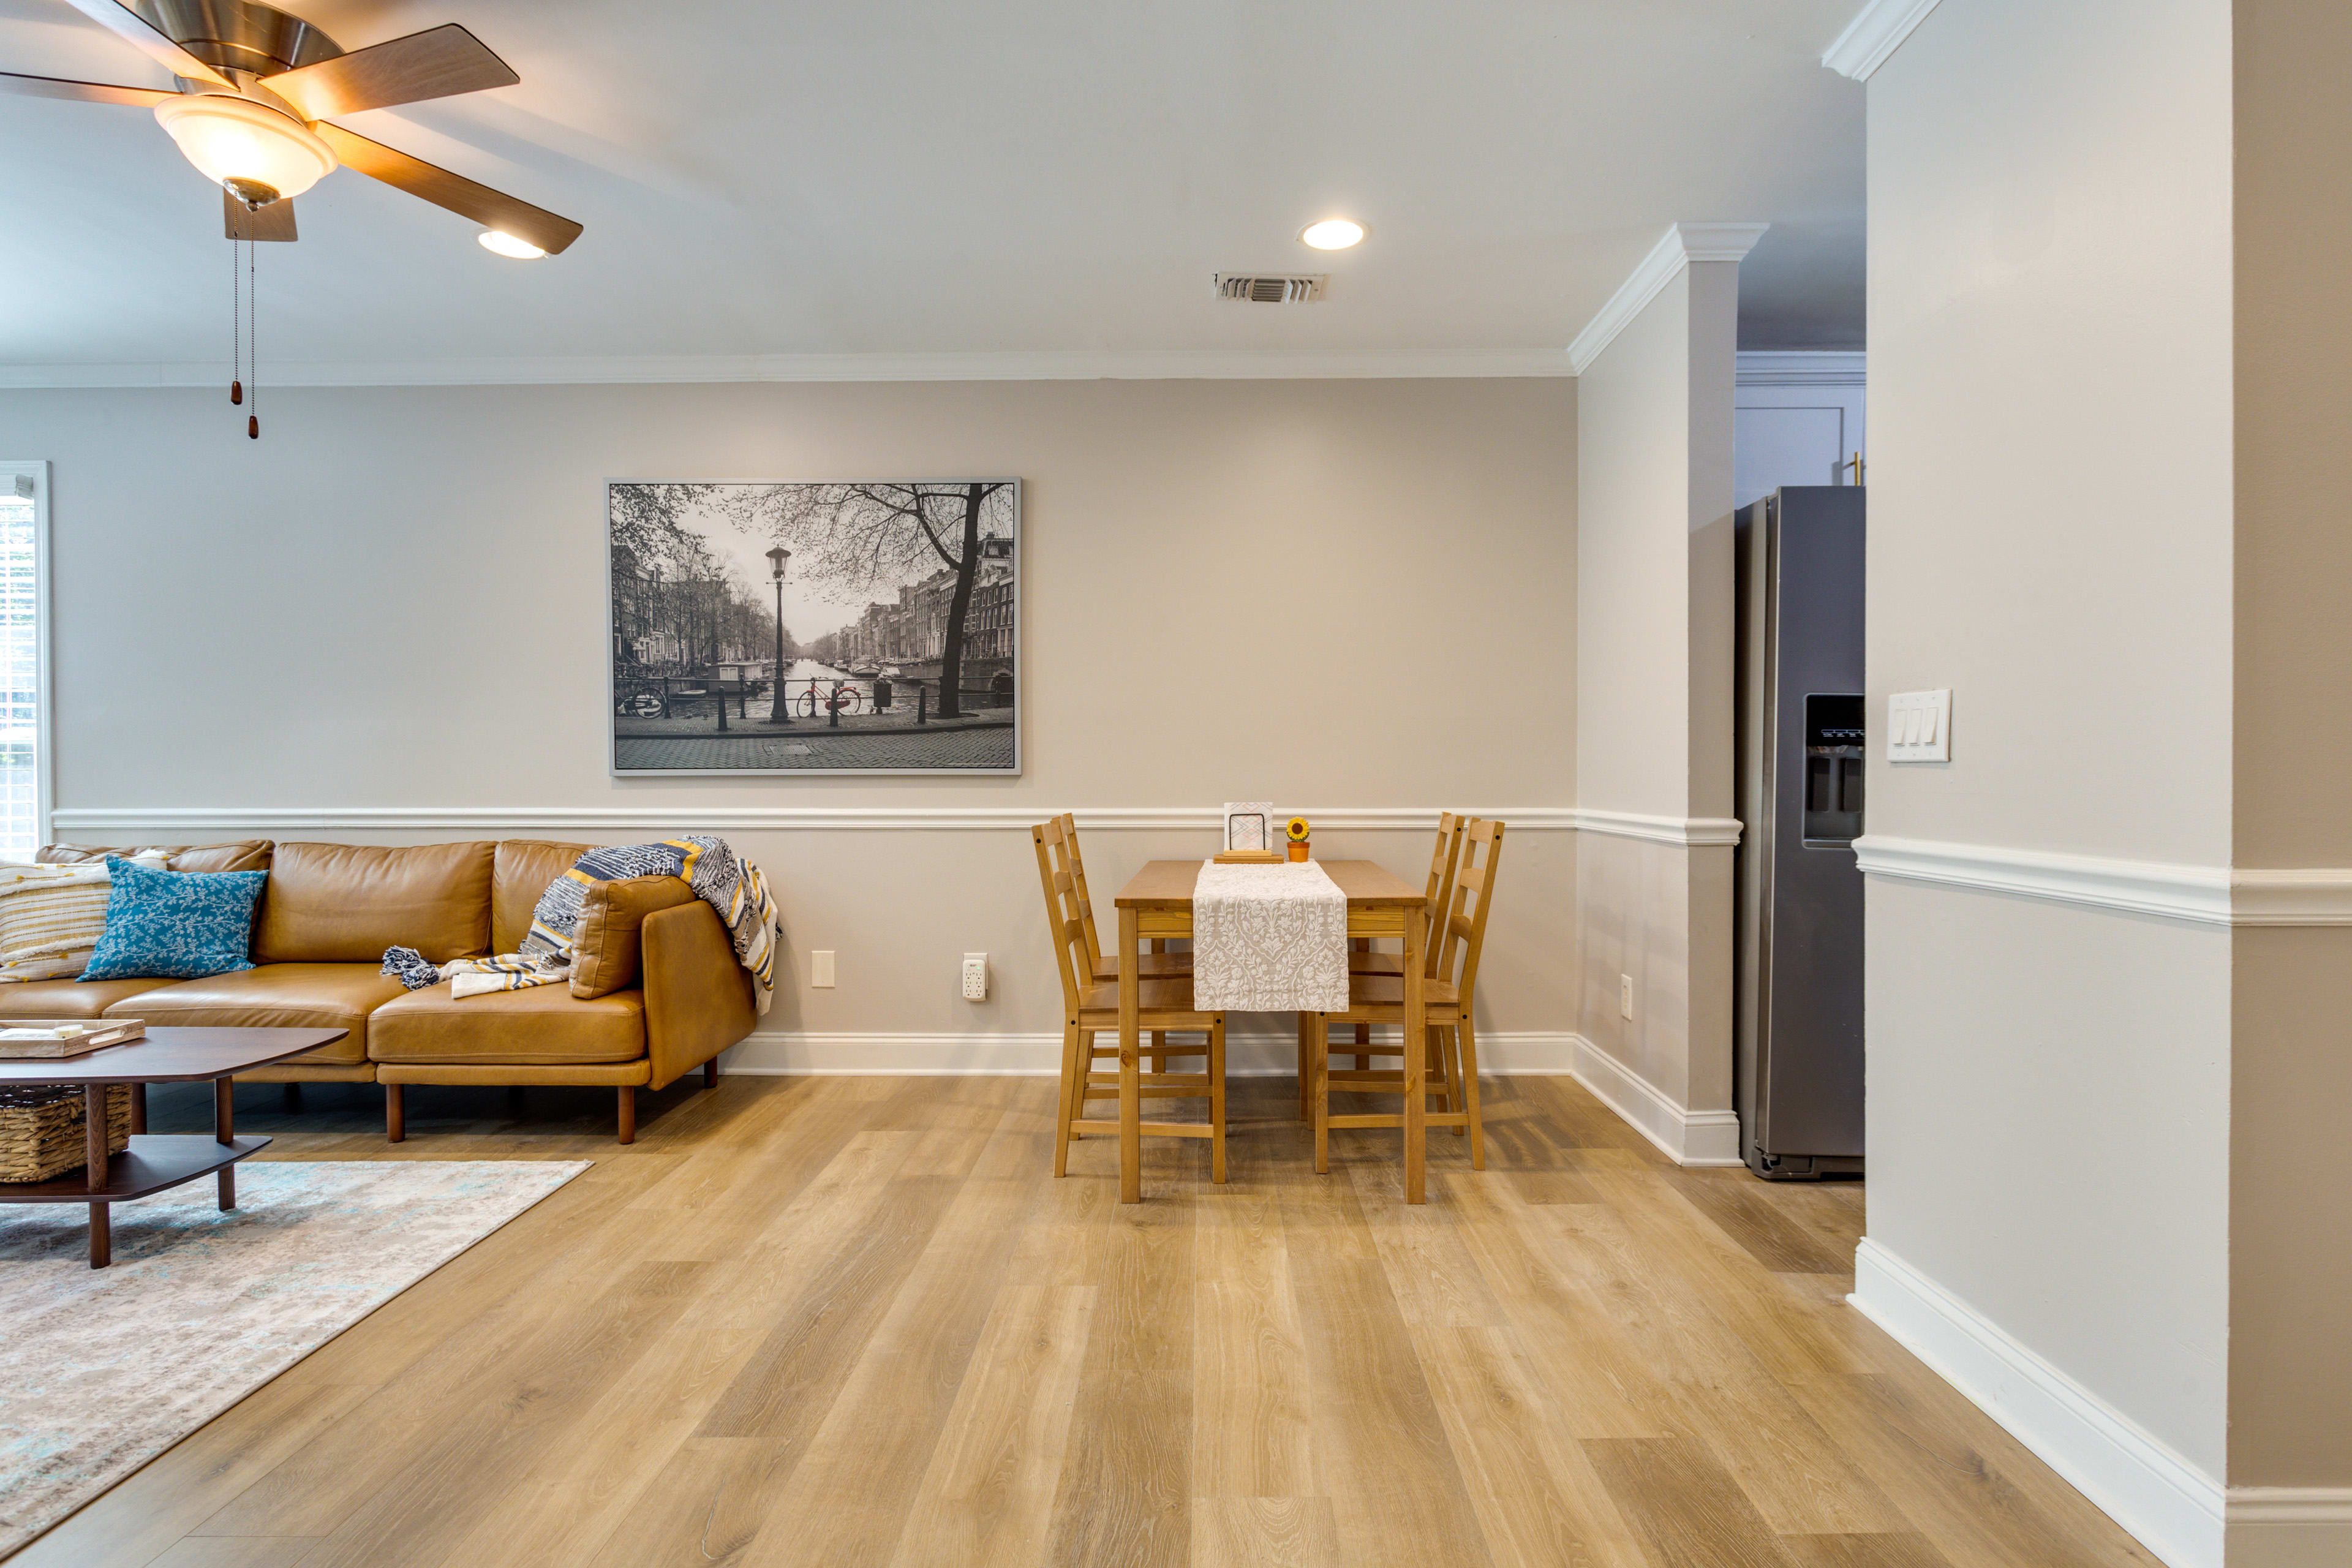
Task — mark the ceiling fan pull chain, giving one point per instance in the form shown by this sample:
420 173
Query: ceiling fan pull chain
236 331
252 342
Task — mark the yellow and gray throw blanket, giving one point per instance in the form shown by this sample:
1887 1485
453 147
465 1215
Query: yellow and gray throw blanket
731 886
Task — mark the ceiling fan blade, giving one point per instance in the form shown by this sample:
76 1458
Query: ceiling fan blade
85 91
431 64
492 209
275 221
143 35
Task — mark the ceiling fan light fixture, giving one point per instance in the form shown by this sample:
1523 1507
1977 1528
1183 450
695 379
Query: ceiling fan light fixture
247 148
505 244
1332 233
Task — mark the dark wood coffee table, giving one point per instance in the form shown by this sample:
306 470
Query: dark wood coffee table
152 1163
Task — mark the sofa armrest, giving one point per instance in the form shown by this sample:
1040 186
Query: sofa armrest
698 996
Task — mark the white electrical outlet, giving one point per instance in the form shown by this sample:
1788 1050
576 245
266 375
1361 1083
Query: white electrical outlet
1919 727
975 977
1624 995
820 970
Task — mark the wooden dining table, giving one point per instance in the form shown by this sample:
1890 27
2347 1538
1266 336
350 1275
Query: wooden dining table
1158 902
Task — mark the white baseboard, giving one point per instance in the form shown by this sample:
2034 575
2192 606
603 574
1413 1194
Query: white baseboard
783 1052
1688 1137
2170 1506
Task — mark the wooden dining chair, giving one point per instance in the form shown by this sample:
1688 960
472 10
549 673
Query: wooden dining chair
1090 1007
1104 967
1442 859
1363 960
1449 994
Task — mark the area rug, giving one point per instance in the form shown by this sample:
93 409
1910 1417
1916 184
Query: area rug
102 1369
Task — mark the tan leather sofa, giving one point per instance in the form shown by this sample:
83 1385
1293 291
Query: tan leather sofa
319 936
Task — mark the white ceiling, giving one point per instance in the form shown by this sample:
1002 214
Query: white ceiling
937 177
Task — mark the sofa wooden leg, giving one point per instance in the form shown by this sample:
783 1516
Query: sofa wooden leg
395 1113
710 1073
628 1113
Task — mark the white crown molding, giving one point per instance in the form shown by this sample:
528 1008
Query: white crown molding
1876 31
1802 367
1687 1137
1248 1054
1175 365
101 822
1690 832
2211 895
2171 1505
1682 244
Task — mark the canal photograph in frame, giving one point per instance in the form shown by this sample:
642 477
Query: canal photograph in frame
790 626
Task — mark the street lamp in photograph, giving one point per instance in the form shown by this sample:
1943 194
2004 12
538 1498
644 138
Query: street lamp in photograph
779 703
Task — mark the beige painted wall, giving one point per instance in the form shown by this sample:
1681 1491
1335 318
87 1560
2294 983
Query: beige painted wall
1655 628
2290 1257
1632 607
2049 1090
2051 495
2052 487
1328 594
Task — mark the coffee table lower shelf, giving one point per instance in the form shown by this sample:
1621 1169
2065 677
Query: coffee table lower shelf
153 1162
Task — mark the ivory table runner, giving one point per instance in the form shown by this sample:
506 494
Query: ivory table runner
1269 939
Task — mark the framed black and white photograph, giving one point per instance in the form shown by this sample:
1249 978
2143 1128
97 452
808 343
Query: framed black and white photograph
815 627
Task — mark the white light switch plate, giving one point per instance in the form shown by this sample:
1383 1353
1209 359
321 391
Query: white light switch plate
1919 727
820 970
975 977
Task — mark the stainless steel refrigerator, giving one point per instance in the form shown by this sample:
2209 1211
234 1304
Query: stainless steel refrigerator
1798 1026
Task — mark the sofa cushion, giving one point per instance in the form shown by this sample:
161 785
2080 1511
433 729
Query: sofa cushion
182 924
276 995
523 867
50 918
544 1025
345 903
73 998
610 934
247 854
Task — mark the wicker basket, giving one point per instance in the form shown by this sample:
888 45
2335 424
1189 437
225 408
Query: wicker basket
42 1132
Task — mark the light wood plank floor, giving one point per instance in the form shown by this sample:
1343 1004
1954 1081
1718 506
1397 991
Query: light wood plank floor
856 1322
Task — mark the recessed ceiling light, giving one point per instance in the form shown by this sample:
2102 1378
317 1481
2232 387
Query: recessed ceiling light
1332 233
506 243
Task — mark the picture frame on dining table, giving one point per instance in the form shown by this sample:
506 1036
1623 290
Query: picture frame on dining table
1250 826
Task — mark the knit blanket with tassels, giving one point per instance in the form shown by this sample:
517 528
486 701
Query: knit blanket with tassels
731 885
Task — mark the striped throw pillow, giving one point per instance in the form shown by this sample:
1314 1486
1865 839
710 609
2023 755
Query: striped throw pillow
50 919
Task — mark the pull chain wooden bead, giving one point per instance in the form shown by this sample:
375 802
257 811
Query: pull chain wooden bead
253 426
236 392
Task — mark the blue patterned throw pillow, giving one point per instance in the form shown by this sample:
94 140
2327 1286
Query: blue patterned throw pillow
174 925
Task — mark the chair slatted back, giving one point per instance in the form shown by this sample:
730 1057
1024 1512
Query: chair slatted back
1062 907
1068 823
1441 862
1465 933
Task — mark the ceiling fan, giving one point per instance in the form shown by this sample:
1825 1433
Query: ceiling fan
255 88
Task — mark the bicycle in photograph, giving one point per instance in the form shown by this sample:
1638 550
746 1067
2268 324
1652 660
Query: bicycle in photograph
844 697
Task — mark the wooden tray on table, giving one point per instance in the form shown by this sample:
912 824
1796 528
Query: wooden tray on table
84 1039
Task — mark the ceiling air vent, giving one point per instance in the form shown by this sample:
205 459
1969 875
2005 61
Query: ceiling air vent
1271 289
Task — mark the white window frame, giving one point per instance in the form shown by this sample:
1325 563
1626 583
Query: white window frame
45 760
